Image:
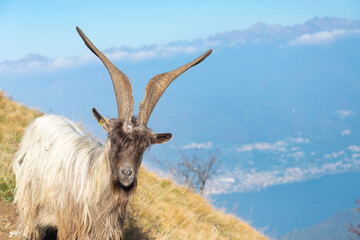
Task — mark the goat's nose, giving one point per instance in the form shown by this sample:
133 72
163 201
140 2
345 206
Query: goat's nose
127 171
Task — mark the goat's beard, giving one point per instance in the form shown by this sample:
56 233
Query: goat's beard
122 194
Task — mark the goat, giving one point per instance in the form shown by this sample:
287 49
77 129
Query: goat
68 181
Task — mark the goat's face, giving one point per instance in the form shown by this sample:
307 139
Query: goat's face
126 148
126 151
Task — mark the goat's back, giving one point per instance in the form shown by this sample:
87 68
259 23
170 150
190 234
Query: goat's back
40 137
53 161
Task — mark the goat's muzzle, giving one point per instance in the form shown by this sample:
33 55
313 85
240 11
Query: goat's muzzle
126 175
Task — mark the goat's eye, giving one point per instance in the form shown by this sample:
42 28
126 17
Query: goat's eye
113 142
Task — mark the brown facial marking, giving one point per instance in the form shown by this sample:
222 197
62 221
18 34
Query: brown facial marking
126 151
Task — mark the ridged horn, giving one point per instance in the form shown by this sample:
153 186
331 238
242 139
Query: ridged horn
121 83
158 84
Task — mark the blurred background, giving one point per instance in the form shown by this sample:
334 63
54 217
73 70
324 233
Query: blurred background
277 102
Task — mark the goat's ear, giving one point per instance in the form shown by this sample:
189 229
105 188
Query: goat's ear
103 121
161 138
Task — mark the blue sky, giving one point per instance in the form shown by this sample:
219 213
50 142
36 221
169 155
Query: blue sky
48 27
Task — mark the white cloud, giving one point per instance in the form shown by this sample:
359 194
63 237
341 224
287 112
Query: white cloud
261 146
36 63
245 148
279 146
322 37
154 51
299 140
296 155
334 155
355 157
207 145
345 132
344 113
354 148
227 180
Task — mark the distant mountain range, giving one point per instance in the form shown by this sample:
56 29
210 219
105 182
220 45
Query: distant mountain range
262 33
333 228
314 31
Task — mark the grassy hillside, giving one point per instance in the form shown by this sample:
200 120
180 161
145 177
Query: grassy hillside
159 210
13 120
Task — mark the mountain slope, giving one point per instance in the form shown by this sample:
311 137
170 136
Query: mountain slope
13 119
333 228
159 210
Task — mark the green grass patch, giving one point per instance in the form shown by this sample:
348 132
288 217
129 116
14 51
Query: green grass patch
7 189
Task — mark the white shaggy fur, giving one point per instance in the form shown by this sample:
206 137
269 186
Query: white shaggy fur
63 181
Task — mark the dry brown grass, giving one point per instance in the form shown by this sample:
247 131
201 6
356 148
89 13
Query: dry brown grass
159 210
163 210
14 117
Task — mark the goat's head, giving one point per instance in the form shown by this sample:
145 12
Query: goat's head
128 136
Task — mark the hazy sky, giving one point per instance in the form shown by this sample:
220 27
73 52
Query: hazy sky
45 27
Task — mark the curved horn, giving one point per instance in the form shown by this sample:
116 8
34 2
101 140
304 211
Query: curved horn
158 84
121 83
